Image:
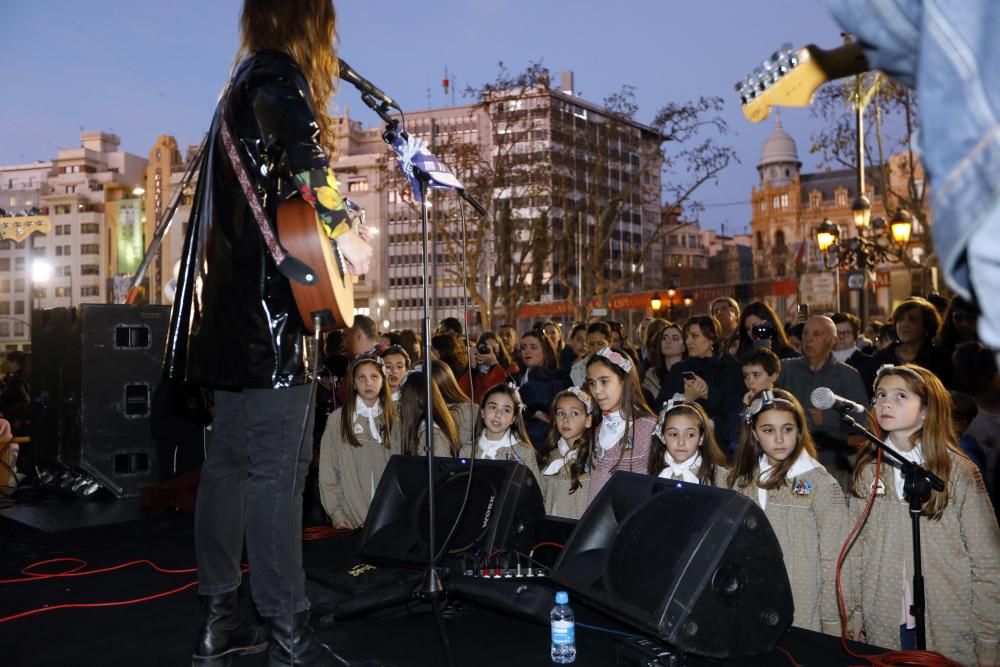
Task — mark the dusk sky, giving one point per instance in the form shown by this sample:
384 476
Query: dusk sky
142 69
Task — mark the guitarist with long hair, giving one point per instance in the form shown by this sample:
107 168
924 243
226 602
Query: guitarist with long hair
235 327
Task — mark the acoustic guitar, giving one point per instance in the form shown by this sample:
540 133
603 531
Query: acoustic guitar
331 296
790 78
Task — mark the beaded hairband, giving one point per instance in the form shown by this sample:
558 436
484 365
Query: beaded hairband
583 397
615 358
372 358
887 367
765 401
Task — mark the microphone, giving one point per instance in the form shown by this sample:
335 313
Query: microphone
348 74
824 399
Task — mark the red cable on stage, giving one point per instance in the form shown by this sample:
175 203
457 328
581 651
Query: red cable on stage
890 658
75 572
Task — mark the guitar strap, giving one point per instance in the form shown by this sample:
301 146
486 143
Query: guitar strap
288 265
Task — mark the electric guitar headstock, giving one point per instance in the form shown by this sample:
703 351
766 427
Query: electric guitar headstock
19 227
790 78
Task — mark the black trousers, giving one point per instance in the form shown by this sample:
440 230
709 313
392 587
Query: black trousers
251 487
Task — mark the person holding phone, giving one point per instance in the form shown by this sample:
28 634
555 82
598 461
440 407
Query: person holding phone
491 364
709 376
760 327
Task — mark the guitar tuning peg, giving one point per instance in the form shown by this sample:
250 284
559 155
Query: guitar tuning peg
777 56
787 48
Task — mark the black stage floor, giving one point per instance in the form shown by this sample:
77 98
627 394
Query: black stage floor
161 631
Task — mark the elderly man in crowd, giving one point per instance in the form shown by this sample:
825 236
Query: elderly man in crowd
819 368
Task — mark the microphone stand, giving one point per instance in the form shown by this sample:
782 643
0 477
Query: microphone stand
917 486
432 587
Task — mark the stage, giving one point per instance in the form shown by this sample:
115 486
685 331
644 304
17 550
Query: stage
162 631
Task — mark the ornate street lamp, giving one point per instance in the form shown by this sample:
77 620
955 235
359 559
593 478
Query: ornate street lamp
655 302
861 209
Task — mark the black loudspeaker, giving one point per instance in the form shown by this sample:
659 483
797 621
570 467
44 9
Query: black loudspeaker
93 397
697 567
503 511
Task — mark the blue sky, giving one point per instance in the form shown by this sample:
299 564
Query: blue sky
141 69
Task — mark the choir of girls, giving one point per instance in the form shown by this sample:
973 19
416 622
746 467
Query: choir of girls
604 424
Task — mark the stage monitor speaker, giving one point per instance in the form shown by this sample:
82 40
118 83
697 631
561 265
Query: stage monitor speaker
94 395
697 567
503 511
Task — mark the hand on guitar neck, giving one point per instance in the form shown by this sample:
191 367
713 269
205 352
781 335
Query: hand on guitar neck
790 78
356 250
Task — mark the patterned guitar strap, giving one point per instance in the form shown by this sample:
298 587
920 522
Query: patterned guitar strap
289 266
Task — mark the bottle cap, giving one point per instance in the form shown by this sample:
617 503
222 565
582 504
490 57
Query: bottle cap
562 597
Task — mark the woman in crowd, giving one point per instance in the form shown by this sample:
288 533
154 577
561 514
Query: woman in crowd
540 383
759 313
710 376
665 350
491 364
917 323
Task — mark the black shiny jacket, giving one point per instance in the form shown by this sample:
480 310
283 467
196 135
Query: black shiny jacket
234 323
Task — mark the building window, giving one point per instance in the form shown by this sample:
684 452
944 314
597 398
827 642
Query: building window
19 263
62 291
90 228
90 290
760 241
784 200
67 251
90 249
4 308
90 270
5 329
4 263
4 286
775 201
19 308
19 285
841 198
358 186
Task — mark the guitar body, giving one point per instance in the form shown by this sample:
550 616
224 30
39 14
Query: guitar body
331 297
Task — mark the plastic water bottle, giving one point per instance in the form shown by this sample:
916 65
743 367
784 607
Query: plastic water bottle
563 630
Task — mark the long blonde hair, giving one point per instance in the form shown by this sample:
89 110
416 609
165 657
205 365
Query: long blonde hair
306 30
936 437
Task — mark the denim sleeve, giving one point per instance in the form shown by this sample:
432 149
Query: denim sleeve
889 31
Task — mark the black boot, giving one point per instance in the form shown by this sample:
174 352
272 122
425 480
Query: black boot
291 635
224 633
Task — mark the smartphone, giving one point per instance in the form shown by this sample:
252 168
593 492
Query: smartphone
804 310
687 375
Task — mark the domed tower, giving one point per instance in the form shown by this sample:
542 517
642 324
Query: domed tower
779 159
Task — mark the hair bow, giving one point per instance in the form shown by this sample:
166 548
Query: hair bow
673 402
583 397
765 400
615 358
517 396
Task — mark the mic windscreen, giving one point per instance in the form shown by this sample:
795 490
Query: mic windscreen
822 398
